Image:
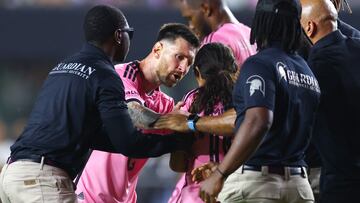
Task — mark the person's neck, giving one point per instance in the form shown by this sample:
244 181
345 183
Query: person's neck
326 29
148 70
222 16
108 49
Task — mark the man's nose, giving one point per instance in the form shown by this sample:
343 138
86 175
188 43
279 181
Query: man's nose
182 67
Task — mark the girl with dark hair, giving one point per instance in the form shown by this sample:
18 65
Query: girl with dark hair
214 69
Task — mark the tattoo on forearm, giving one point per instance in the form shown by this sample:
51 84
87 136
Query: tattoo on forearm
141 116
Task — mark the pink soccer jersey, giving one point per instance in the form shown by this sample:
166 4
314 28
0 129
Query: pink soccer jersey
186 190
237 37
110 177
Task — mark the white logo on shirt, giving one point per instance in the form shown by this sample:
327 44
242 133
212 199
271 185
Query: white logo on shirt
281 68
257 83
297 79
74 68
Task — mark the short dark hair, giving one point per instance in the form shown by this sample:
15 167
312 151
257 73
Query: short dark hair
101 22
172 31
269 26
217 65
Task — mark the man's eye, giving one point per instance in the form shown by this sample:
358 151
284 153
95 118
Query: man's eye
179 57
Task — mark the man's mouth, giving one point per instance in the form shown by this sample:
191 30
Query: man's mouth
177 77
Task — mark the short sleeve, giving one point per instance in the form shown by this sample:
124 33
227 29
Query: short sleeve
256 85
160 102
128 73
188 100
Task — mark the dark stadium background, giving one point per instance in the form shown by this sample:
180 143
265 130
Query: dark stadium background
35 34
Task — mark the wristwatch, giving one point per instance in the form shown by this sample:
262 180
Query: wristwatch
191 121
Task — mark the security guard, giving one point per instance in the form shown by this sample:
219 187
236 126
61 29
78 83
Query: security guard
80 106
312 157
334 61
275 98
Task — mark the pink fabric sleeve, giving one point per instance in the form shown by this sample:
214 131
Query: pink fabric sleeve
188 99
131 85
236 37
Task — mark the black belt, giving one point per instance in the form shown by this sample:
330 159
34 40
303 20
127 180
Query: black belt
280 170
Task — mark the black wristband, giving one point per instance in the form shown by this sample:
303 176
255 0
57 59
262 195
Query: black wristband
221 173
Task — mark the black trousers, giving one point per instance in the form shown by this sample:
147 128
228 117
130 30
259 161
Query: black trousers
338 191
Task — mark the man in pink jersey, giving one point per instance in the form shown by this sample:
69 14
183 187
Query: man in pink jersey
109 177
213 21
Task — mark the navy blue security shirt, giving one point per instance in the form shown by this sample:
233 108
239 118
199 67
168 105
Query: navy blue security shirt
348 30
81 106
284 84
312 156
335 62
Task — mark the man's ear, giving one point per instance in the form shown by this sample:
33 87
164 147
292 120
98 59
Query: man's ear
118 36
157 48
311 29
206 8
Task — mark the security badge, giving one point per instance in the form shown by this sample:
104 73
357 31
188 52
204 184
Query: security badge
257 83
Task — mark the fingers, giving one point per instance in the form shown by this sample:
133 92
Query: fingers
206 173
179 105
202 195
201 173
212 199
207 197
198 169
196 175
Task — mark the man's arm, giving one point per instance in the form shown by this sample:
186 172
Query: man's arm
257 122
119 134
222 124
141 116
122 137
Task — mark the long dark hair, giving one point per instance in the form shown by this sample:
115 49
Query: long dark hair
216 64
268 27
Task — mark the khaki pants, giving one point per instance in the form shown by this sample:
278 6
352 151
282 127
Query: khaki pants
28 182
262 187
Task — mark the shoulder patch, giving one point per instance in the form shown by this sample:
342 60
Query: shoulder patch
257 83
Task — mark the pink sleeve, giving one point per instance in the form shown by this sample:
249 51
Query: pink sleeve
237 38
240 55
127 74
160 103
188 99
